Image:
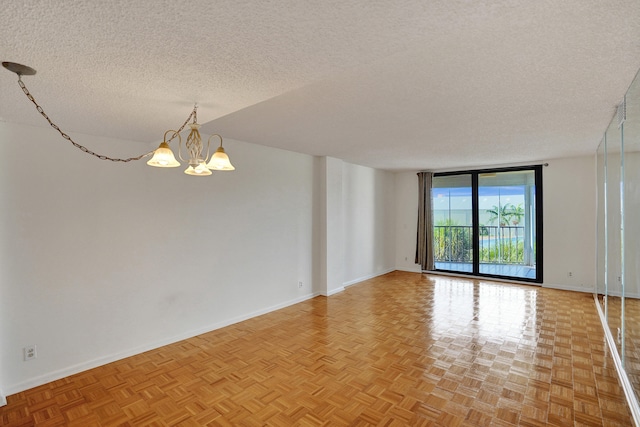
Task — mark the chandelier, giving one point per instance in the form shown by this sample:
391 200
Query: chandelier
200 164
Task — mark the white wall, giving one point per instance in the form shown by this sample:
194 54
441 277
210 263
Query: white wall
369 222
569 187
569 200
102 260
332 239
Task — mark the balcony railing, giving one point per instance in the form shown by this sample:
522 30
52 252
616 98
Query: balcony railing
498 245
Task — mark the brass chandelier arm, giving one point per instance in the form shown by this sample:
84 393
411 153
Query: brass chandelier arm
174 132
215 134
82 147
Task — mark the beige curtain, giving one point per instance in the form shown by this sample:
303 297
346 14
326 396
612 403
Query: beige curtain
424 242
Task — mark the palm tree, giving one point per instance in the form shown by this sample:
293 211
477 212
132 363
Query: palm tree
502 213
516 214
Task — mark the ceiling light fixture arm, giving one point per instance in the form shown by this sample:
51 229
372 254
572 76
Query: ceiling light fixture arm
215 134
175 133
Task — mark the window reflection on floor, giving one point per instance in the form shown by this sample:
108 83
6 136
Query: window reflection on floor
497 311
505 270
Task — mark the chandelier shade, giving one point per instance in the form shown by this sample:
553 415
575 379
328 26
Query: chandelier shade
163 156
220 161
199 169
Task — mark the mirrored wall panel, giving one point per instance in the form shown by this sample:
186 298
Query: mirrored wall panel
631 235
618 234
601 238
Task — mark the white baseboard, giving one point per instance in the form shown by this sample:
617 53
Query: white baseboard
334 291
409 270
353 282
370 276
627 295
569 288
84 366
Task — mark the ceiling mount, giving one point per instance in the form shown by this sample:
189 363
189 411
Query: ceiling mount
19 69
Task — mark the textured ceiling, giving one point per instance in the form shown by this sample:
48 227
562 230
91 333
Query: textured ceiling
397 85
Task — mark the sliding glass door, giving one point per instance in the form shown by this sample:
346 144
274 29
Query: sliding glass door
488 223
507 218
453 222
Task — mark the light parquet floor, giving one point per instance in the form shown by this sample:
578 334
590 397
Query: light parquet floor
402 349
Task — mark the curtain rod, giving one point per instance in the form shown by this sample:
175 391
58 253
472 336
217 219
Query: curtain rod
504 166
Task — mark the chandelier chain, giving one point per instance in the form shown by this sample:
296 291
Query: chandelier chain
82 147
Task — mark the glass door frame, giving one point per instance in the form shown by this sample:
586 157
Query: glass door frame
538 221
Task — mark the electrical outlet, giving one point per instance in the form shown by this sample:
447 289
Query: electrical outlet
570 274
29 352
300 284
